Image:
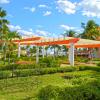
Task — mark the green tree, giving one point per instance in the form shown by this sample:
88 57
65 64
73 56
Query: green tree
6 36
90 30
33 50
56 48
11 46
3 30
70 33
46 49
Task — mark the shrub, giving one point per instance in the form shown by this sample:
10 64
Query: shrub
98 64
20 66
95 68
5 74
50 62
82 92
41 71
48 93
23 73
8 67
96 59
82 59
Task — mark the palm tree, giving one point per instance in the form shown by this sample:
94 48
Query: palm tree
3 21
33 50
70 33
3 30
90 30
11 46
6 36
65 49
46 49
56 48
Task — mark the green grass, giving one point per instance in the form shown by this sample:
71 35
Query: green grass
26 88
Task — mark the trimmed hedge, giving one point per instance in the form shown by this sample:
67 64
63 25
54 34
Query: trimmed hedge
8 67
94 68
5 74
42 71
83 92
29 66
21 66
29 72
98 64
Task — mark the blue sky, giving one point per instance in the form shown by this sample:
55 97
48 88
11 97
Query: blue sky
49 17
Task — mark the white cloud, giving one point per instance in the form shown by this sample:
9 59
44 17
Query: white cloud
39 26
43 6
76 29
30 32
47 13
9 15
25 33
4 1
14 28
66 27
66 6
32 9
42 33
90 8
20 30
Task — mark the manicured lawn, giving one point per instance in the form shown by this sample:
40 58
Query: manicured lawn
26 88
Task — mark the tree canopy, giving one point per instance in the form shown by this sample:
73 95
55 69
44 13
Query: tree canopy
90 30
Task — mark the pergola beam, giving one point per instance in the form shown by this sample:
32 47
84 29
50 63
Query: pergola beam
28 39
57 42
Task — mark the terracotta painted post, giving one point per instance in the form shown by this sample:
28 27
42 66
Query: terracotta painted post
19 50
37 54
71 54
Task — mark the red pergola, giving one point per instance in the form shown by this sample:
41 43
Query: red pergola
70 42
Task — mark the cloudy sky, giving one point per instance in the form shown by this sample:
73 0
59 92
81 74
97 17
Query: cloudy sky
49 17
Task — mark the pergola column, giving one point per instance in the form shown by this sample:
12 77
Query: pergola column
71 54
43 51
37 54
19 49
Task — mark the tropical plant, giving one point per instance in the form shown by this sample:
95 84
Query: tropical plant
56 49
3 31
90 30
70 33
46 49
10 44
6 36
32 50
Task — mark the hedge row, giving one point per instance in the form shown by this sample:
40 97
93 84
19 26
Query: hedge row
95 68
22 66
44 64
36 71
5 74
42 71
83 92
